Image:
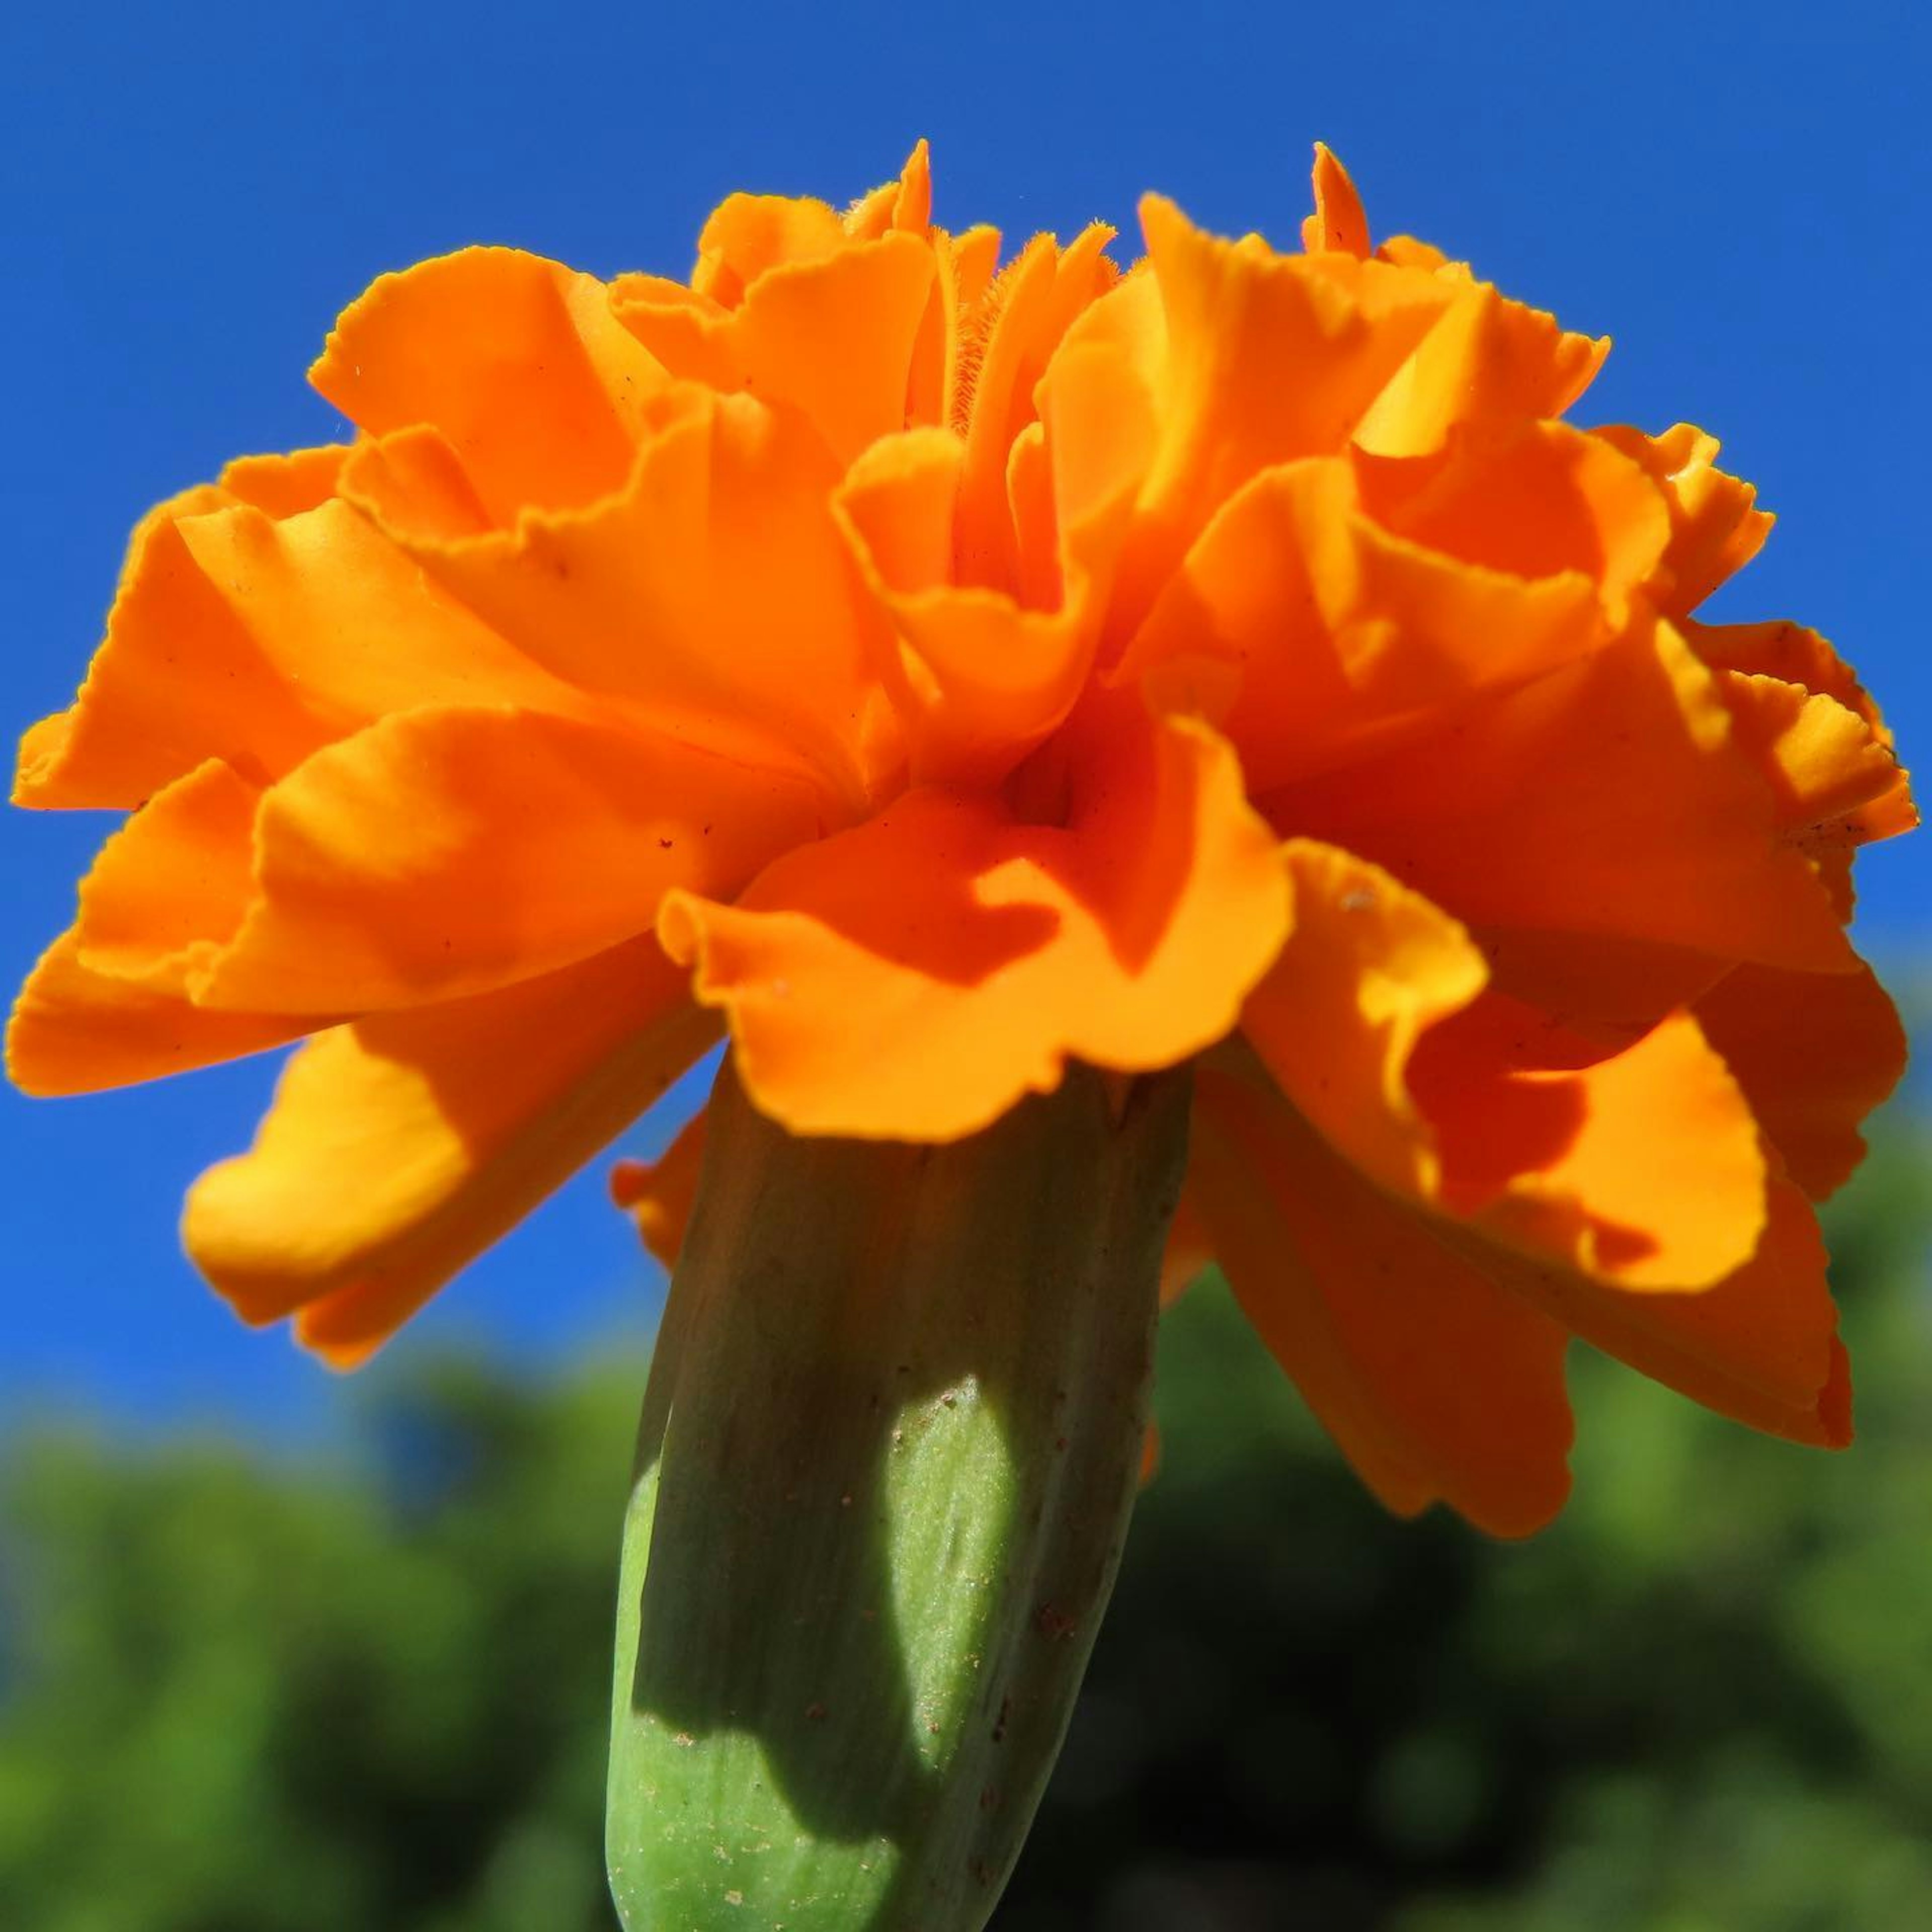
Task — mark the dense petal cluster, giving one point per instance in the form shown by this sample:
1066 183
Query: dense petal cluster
932 670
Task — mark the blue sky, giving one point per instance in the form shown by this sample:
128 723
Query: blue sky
187 195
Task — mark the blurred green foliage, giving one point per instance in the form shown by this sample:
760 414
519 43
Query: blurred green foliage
241 1697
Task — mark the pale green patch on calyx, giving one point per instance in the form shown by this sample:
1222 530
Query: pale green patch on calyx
889 1449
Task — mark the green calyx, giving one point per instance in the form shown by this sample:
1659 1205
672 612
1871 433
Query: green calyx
891 1440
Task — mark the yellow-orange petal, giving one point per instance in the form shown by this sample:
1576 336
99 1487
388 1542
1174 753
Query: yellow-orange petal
1716 528
712 595
399 1147
1437 1385
74 1031
1815 1053
516 360
449 850
912 978
1338 223
1608 797
659 1194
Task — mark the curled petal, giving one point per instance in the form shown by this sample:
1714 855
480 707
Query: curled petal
1815 1053
257 641
1253 359
1608 797
1760 1346
1640 1167
1438 1384
1331 632
1716 528
833 335
449 850
516 360
1541 502
913 978
985 679
1831 773
713 595
1009 338
399 1147
1489 363
1788 652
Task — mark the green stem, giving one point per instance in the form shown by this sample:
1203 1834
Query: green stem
890 1442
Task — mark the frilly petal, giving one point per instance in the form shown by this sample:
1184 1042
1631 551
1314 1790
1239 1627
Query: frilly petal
913 978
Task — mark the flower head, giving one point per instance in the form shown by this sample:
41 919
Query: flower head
933 671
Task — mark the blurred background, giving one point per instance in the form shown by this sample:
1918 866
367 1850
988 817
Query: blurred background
280 1652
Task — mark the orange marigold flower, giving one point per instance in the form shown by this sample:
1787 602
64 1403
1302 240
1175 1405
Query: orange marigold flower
931 671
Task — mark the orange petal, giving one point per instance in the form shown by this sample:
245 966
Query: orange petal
517 361
74 1031
1787 651
169 889
833 335
748 235
1831 773
1009 338
904 205
1608 797
1640 1167
659 1194
714 594
1715 527
449 850
1611 990
1368 968
255 641
1262 357
1815 1054
1335 630
989 680
1338 222
1487 366
1437 1385
1760 1346
915 977
400 1147
1545 500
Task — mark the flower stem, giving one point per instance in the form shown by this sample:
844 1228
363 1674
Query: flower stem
890 1444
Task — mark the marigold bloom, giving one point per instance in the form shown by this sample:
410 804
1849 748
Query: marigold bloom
931 671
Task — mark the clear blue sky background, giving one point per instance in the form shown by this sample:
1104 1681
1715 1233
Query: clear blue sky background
188 194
